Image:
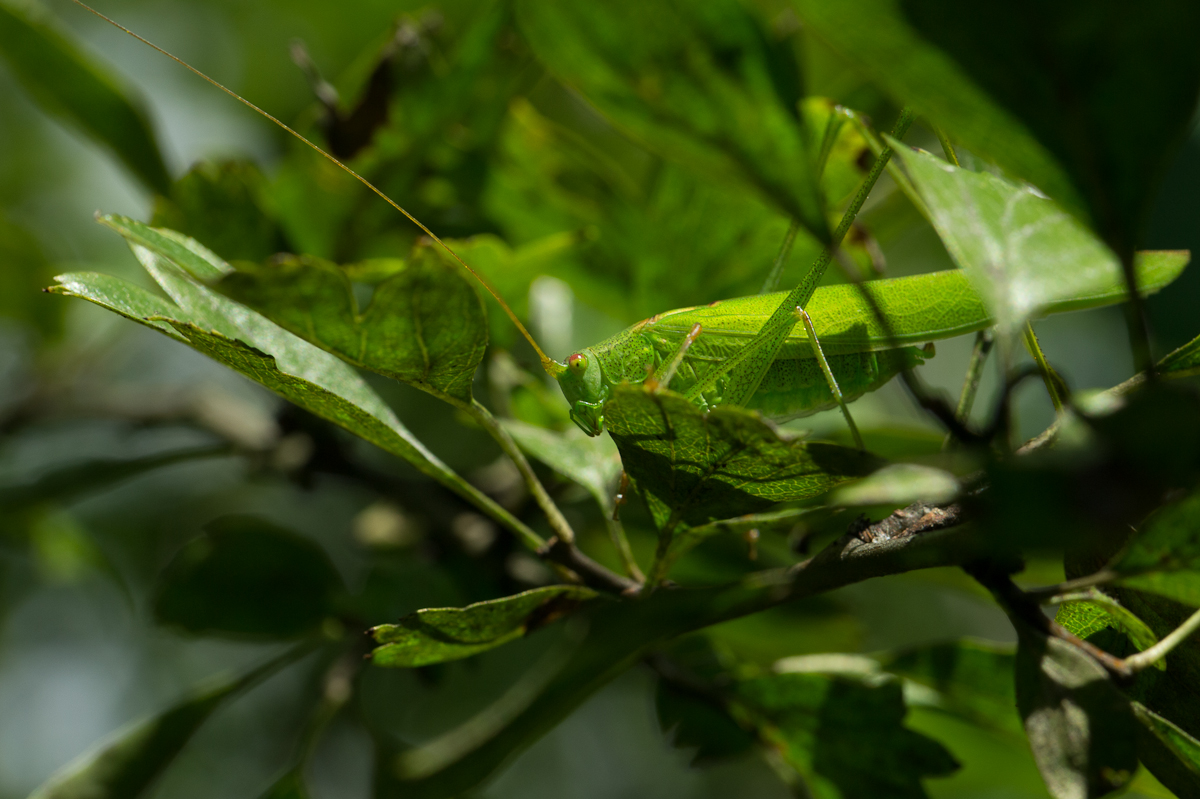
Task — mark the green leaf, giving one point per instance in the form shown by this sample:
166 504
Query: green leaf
1164 557
127 765
592 462
223 205
898 484
1168 751
1182 362
436 635
1022 253
254 346
247 577
701 83
695 721
973 679
830 727
1079 724
289 786
76 479
424 325
69 85
1086 617
1029 91
24 271
694 467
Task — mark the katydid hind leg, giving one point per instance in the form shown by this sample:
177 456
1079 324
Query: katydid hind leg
666 371
834 388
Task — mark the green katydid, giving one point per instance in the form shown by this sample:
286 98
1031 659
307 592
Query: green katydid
749 351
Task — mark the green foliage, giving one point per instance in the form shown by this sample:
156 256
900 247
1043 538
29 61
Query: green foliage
70 85
246 577
435 635
596 165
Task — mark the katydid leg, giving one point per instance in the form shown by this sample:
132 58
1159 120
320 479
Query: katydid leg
836 390
662 376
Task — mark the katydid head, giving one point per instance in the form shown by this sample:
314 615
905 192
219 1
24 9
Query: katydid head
582 383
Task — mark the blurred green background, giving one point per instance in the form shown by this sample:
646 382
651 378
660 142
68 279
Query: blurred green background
480 140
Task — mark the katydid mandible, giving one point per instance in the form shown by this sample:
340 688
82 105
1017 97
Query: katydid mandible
750 351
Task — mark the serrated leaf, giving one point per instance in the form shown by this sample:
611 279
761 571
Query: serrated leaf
1079 724
70 85
424 325
701 83
1164 557
828 726
436 635
127 765
693 721
247 577
1122 77
1168 751
695 467
256 347
1022 253
974 679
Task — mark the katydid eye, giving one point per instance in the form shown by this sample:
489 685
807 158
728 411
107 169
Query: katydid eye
577 363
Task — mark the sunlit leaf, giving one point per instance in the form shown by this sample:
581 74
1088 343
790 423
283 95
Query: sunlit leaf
70 85
1182 362
435 635
247 577
1021 251
701 83
424 324
127 765
898 484
1086 101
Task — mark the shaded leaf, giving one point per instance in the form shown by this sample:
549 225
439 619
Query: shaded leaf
694 467
289 786
1168 751
1183 361
1079 724
247 577
69 85
1164 557
1087 101
974 679
222 204
24 272
128 764
254 346
830 727
898 484
700 83
435 635
1020 250
694 721
424 324
71 481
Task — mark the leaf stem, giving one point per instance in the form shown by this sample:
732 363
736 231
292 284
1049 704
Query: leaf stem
984 341
1173 639
1048 375
558 522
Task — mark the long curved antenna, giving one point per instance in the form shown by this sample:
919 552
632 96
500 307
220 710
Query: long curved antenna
551 366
